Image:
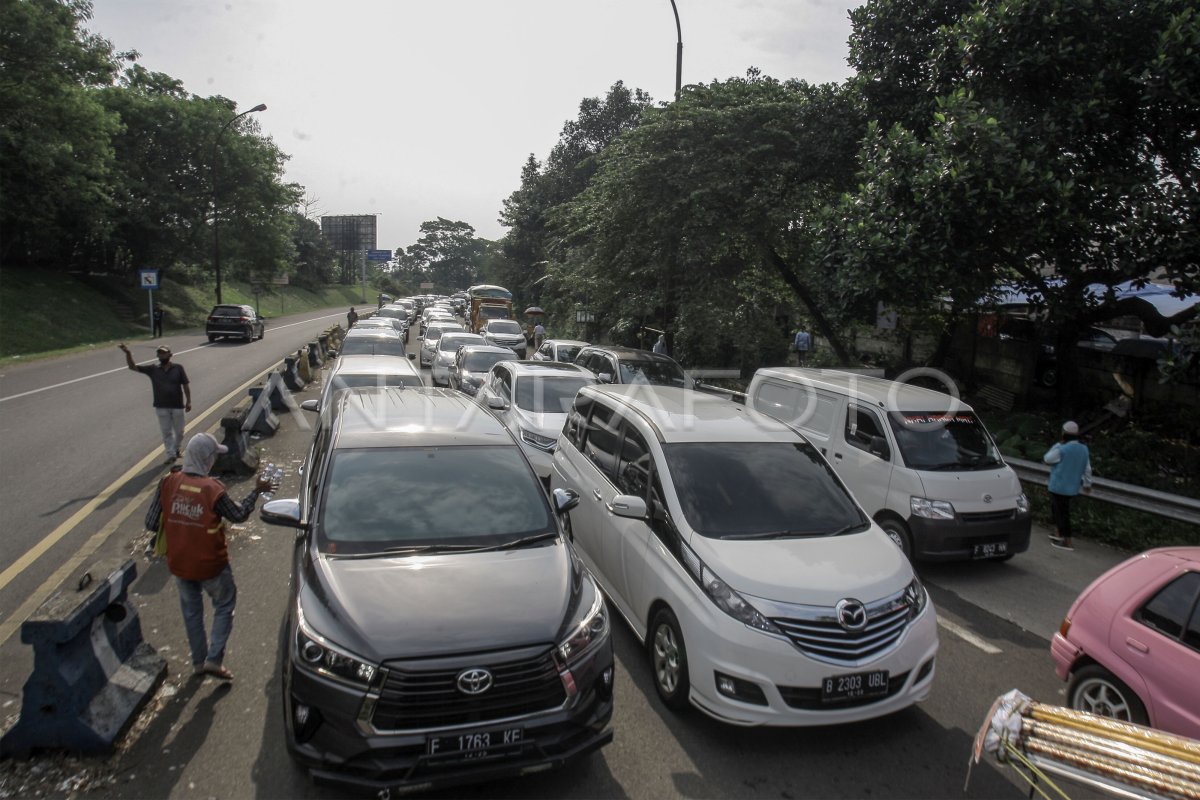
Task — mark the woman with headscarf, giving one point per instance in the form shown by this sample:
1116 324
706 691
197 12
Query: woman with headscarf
191 508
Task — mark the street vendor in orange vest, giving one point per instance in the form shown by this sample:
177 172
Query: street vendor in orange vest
191 510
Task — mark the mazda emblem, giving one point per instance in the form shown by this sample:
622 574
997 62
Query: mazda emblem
476 680
987 498
851 614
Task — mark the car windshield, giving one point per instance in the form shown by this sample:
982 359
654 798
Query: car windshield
659 373
503 326
372 346
433 334
393 313
734 490
359 513
544 395
567 352
936 440
482 362
451 342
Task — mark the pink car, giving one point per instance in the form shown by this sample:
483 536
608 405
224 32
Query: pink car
1130 644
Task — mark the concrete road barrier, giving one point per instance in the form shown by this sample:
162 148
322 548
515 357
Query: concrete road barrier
241 459
291 374
260 419
92 671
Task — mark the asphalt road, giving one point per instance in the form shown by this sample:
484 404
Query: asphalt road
202 738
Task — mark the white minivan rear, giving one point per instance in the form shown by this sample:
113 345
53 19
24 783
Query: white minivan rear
920 462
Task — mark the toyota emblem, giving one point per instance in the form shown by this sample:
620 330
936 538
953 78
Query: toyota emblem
987 498
476 680
851 614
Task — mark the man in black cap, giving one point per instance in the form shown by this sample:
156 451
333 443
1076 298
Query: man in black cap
172 396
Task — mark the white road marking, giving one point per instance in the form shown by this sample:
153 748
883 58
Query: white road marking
968 637
149 361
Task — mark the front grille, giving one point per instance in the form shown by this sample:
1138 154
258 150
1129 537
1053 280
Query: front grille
987 516
416 697
819 634
810 699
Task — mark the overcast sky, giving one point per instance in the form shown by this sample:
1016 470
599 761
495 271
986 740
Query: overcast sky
415 109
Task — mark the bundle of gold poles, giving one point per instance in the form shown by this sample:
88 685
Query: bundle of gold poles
1120 758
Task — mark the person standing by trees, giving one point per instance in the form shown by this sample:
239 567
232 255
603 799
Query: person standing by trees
1070 473
172 396
802 343
351 318
158 320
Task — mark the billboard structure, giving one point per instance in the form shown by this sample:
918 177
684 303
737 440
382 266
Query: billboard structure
351 235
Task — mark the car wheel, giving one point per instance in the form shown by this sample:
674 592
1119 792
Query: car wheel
1097 691
898 532
668 659
211 338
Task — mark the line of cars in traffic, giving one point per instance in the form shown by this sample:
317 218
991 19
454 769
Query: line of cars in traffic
469 636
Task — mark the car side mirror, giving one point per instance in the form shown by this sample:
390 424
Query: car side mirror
331 353
878 447
605 377
412 356
285 512
628 506
496 403
311 405
565 500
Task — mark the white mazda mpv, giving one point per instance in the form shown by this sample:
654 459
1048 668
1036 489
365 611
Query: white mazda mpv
763 593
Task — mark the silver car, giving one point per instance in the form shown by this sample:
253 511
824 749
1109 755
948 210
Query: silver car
443 355
429 339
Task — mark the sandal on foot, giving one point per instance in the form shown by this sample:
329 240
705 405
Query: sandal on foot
217 671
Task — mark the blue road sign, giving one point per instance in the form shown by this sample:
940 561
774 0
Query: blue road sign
379 255
148 278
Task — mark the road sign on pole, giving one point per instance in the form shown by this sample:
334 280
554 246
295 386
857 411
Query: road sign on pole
148 278
379 255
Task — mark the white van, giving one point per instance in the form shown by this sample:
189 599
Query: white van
920 462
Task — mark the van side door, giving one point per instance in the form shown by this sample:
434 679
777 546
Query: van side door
862 456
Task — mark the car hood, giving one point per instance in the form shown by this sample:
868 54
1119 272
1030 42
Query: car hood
384 608
506 338
866 566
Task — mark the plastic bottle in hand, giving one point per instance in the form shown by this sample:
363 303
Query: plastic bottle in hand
268 474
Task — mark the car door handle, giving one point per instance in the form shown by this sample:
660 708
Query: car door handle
837 455
596 494
1136 645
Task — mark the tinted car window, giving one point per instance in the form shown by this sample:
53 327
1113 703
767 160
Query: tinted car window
942 441
633 467
503 326
861 426
748 489
231 311
576 424
548 395
372 346
601 443
1169 610
359 505
567 352
659 373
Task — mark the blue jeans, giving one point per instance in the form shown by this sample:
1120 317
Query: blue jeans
223 592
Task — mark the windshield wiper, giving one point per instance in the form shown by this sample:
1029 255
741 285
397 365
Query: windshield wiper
528 540
770 535
854 527
943 466
410 550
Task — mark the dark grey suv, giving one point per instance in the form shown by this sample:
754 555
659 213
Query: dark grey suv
430 647
241 322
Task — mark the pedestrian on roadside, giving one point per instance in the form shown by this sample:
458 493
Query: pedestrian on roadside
801 344
539 335
660 344
351 318
172 396
158 320
1070 474
191 509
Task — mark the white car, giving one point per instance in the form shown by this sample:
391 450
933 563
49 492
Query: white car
430 337
532 400
443 354
505 333
354 371
762 591
563 350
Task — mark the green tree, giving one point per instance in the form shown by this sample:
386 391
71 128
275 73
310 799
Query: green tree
1067 169
448 254
55 152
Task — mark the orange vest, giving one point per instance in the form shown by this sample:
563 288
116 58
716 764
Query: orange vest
196 549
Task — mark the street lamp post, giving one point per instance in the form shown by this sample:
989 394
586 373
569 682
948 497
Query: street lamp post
678 52
216 205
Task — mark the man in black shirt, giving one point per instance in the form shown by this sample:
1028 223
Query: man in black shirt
172 396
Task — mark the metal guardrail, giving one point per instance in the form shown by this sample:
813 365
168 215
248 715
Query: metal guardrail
1126 495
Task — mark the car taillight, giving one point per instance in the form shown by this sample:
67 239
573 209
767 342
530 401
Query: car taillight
245 319
1064 627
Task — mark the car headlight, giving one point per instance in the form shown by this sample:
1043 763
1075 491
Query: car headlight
588 633
315 653
724 597
915 597
1022 504
546 443
931 509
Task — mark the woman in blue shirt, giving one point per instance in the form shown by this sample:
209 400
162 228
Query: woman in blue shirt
1070 474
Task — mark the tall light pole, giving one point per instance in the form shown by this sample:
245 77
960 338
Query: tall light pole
678 52
216 206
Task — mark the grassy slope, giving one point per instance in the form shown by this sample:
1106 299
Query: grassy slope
47 312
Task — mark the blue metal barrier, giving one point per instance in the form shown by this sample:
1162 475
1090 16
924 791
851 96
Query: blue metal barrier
92 671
